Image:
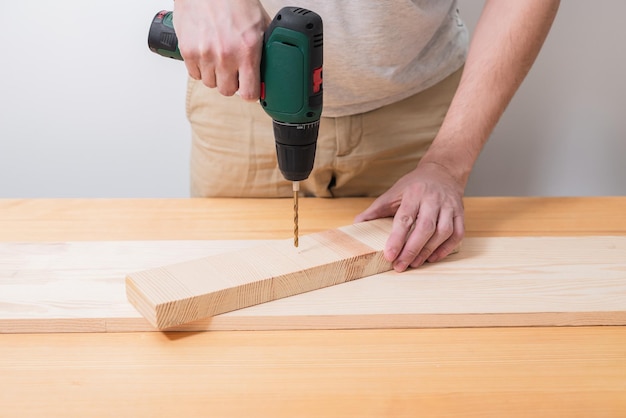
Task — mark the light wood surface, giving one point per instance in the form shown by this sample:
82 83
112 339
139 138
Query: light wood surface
186 219
495 281
470 372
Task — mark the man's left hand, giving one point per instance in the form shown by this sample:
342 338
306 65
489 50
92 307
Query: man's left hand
428 224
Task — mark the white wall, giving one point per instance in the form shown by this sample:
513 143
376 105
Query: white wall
564 133
87 111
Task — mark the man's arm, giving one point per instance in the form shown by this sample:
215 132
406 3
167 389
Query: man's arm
427 202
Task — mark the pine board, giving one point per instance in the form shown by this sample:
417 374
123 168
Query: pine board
193 290
492 281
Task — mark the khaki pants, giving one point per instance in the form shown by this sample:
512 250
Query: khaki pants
233 152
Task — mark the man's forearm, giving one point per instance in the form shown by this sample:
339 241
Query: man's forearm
505 44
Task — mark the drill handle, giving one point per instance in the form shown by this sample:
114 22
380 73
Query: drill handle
291 66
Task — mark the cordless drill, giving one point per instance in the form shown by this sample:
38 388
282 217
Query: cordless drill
291 85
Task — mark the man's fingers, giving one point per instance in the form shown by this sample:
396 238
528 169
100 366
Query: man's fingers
250 69
192 69
249 82
199 68
424 228
403 224
380 208
227 81
400 230
443 230
194 72
209 77
452 243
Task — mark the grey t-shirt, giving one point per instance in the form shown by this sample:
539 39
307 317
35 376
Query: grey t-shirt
378 52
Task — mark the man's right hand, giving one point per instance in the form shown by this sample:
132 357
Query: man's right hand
221 42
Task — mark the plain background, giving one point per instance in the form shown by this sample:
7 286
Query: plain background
87 111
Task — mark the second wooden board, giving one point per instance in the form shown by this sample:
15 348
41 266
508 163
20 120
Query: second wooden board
493 281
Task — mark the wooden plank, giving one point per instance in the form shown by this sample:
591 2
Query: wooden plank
493 281
190 291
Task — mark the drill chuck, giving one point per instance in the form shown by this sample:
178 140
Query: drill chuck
295 148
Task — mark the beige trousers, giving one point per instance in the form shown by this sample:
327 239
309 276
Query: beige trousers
233 152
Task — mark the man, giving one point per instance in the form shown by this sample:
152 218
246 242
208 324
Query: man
407 106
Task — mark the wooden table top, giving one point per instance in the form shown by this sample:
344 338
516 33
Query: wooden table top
469 372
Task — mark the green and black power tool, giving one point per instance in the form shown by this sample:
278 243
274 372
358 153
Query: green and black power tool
291 85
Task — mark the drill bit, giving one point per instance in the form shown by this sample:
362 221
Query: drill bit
296 188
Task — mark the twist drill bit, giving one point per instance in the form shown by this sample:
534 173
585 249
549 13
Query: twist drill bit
296 188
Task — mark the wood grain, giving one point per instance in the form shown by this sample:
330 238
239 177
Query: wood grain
180 293
493 281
